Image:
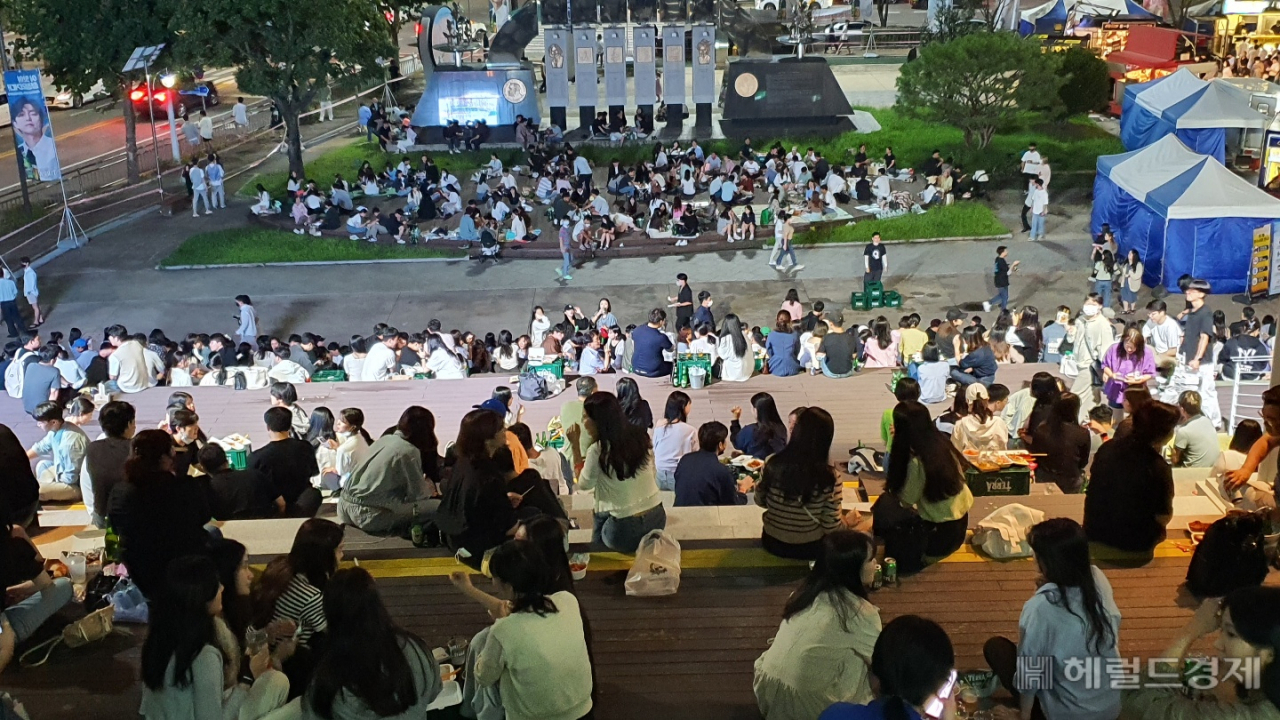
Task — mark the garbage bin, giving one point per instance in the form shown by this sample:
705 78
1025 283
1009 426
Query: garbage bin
697 378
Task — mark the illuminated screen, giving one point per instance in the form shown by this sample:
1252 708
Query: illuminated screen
467 108
1244 7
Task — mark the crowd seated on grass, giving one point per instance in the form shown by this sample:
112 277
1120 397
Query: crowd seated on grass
677 194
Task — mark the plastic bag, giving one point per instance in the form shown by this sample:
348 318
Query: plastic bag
1003 533
656 570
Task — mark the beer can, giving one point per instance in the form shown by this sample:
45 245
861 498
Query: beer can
878 582
890 571
416 534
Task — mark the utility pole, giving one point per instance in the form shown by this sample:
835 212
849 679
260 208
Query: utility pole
17 148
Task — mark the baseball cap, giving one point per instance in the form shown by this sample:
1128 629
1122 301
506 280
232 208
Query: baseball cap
80 344
955 314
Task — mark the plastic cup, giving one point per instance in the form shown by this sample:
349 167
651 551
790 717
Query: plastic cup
76 566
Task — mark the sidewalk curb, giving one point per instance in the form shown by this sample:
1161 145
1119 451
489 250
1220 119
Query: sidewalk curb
306 263
966 238
61 249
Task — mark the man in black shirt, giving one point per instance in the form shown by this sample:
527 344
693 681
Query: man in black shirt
1002 269
1244 345
838 348
702 316
873 261
810 321
288 465
746 152
234 494
1197 341
682 302
702 480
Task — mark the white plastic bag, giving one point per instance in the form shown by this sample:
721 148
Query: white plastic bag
656 570
1003 533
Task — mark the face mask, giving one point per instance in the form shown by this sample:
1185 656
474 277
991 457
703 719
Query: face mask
1091 310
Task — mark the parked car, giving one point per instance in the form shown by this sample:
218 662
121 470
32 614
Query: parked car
58 98
187 97
776 5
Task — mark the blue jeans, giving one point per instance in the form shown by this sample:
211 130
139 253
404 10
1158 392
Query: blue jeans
826 371
1037 226
667 480
568 262
965 379
789 252
625 534
1001 297
27 616
1103 288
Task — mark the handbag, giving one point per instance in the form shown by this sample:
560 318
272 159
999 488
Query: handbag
88 629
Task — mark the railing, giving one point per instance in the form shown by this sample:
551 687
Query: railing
1246 395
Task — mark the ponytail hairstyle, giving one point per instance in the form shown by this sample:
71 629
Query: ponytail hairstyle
1062 550
355 418
521 565
912 659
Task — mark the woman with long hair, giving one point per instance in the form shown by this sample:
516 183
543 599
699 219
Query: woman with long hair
1130 282
634 407
1063 444
475 512
1129 500
673 438
782 345
231 559
764 437
619 468
1127 364
977 360
536 651
925 473
1071 615
821 654
292 586
604 317
913 661
980 429
1104 272
735 350
386 490
506 356
1247 622
157 517
443 363
799 492
373 667
188 650
881 349
353 363
1045 389
1028 333
349 446
320 433
791 305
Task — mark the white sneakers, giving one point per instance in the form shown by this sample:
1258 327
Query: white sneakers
681 243
986 306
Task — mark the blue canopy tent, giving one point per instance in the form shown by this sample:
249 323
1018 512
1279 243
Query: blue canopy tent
1051 17
1185 214
1199 113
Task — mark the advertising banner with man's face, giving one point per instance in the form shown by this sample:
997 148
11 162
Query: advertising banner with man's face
37 155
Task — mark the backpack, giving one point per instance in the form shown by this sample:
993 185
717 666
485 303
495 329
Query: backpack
1230 556
533 387
15 374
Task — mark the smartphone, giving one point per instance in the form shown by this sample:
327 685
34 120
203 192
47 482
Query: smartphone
938 703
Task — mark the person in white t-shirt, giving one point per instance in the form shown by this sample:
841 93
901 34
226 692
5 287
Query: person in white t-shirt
881 188
1163 335
1039 200
381 363
1030 163
547 461
129 367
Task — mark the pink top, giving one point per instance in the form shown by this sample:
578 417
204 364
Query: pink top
877 357
795 309
1115 387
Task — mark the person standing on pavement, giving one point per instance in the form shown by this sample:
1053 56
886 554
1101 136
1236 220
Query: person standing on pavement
365 117
206 129
240 114
1039 200
566 251
215 175
31 290
873 261
682 302
1195 362
1002 269
1093 336
199 191
582 169
248 328
326 101
784 245
9 304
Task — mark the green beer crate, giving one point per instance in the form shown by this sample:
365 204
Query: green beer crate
555 368
1014 480
329 376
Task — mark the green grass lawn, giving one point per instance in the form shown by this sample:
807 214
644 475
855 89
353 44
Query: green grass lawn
252 246
1072 148
964 219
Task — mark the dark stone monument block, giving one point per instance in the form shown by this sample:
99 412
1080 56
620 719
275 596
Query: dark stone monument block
802 93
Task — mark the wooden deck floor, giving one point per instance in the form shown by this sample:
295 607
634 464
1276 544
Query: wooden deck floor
686 656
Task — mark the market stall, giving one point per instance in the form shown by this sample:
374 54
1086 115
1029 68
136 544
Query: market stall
1059 17
1185 213
1200 113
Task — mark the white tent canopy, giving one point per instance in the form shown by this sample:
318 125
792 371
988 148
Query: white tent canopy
1217 192
1164 93
1101 8
1146 169
1221 105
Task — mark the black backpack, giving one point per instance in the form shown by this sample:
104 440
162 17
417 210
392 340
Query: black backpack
533 387
1230 556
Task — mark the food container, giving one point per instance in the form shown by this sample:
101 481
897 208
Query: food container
578 563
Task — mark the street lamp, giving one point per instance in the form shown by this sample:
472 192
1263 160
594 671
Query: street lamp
168 80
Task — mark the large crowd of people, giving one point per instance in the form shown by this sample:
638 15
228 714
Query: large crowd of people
1142 401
